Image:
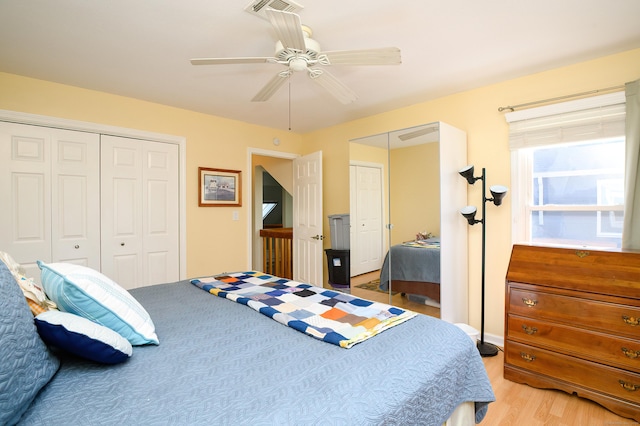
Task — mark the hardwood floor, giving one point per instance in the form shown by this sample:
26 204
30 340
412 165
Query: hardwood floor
521 405
516 404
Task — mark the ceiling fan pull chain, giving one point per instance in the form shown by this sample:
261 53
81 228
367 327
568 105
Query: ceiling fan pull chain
289 102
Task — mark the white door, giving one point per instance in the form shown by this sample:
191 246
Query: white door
160 209
366 220
49 179
307 219
75 198
140 211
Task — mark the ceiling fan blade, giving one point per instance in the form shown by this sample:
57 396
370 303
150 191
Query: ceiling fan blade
417 133
271 87
288 29
381 56
333 85
219 61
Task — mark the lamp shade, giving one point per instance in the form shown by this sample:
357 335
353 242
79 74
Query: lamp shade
498 192
467 173
469 213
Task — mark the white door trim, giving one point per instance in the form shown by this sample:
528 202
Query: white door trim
63 123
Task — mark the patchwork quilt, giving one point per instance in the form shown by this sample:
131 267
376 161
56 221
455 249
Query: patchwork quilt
331 316
423 244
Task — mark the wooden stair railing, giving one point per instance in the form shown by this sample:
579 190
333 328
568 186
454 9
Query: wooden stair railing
277 249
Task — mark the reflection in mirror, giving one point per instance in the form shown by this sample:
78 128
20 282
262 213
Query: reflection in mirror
395 216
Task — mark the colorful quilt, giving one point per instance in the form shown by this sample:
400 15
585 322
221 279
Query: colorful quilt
328 315
423 244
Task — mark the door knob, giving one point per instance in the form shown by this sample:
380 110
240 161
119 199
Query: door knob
76 246
318 237
122 244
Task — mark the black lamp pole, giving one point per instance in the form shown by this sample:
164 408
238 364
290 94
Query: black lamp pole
485 349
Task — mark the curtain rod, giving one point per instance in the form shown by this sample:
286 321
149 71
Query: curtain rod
512 108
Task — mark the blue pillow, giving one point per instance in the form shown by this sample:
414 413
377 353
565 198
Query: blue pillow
82 337
89 294
26 364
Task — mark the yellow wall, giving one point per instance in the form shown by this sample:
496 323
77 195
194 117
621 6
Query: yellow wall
218 142
415 191
215 242
476 112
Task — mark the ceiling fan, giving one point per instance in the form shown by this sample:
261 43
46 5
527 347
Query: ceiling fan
299 52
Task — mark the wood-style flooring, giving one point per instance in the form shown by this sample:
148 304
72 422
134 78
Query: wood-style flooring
521 405
396 300
516 404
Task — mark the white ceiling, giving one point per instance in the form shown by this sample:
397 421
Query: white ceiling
141 49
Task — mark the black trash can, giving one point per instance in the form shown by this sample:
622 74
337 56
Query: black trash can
339 268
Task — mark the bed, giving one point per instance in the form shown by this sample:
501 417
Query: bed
221 362
414 269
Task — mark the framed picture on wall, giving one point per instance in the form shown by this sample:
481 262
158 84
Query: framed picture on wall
219 187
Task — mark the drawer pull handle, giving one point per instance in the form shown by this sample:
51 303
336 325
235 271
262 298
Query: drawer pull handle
629 353
529 330
527 357
529 302
582 253
631 320
628 386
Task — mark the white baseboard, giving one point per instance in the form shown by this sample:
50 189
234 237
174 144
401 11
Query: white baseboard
494 339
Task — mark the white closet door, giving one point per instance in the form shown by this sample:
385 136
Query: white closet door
75 198
24 186
160 209
366 225
50 184
139 211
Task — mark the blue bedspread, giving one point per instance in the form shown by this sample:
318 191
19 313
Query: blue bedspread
219 363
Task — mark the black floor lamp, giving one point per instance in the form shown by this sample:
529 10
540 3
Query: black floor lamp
469 212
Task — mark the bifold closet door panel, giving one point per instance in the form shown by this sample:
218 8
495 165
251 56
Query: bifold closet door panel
160 210
50 187
75 198
139 188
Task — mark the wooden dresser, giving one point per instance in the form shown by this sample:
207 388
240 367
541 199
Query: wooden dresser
572 322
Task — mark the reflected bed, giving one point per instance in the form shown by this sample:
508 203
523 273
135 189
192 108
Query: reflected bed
414 268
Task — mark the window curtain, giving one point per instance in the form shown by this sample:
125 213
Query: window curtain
631 224
591 118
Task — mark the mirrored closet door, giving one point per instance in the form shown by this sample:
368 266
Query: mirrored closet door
405 195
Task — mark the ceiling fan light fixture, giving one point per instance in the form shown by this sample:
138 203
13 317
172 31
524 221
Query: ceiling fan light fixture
298 64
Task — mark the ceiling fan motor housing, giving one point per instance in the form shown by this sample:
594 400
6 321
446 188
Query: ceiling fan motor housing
297 59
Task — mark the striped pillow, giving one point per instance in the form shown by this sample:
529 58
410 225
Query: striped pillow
88 293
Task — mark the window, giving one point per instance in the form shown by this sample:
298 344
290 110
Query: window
568 177
267 207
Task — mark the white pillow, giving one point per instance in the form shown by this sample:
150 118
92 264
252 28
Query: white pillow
86 292
82 337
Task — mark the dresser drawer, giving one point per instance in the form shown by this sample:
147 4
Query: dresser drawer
608 380
600 347
575 311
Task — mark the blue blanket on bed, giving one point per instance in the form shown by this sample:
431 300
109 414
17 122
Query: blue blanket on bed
220 364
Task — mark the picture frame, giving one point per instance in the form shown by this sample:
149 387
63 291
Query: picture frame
219 187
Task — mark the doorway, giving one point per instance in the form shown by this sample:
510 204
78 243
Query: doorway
300 175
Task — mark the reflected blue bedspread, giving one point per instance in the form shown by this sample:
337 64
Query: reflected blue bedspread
411 264
219 363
